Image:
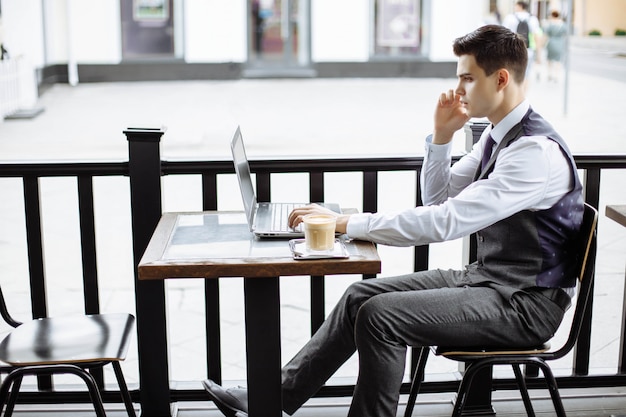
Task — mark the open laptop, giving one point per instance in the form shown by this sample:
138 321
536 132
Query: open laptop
264 219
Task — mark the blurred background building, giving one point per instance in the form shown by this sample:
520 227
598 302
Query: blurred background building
132 40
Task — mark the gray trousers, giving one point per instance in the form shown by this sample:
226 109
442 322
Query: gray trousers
380 317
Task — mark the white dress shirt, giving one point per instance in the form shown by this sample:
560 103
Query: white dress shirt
530 174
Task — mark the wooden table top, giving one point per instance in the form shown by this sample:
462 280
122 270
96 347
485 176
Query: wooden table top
617 213
220 244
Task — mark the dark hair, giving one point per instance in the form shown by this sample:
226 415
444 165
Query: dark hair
523 5
495 47
555 14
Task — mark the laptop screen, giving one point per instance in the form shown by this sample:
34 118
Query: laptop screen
243 175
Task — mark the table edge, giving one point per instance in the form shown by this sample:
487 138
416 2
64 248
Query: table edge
616 212
153 267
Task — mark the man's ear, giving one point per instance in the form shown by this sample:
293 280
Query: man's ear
503 78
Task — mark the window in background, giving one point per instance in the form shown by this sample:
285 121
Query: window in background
147 28
397 28
279 33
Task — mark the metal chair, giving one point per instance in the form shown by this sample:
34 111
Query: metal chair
65 345
480 359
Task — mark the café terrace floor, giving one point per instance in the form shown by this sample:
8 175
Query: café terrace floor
577 403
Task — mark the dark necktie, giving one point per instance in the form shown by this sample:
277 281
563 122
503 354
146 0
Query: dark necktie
487 152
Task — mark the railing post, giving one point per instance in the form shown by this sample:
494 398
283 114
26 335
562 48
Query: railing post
317 283
212 294
582 350
144 170
34 237
36 266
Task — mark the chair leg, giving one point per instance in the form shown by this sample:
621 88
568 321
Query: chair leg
477 366
553 388
5 389
417 380
461 395
94 393
15 390
123 389
92 386
15 378
521 383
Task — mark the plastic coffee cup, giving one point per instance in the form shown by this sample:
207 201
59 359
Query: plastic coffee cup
319 232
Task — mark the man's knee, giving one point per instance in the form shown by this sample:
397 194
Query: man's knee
357 293
372 319
353 297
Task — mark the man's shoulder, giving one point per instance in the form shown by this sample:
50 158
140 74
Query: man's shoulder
534 124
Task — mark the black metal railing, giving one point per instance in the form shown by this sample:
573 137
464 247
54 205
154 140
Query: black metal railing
145 170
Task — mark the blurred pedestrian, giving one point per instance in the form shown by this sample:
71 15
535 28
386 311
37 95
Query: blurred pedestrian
556 34
528 28
259 27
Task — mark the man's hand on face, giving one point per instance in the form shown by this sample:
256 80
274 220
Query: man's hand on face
450 116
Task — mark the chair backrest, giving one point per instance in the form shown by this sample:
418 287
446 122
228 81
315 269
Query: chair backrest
586 264
4 312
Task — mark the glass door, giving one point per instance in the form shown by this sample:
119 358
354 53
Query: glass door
147 29
279 35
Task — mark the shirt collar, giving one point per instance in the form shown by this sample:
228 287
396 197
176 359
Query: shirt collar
514 117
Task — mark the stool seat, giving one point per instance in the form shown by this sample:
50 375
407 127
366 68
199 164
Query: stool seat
463 353
71 339
65 345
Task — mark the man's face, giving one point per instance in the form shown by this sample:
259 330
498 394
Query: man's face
478 91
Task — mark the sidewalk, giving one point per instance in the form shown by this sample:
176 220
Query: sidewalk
285 117
313 117
610 44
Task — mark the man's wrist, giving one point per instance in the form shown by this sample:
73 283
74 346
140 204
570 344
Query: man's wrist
342 223
442 138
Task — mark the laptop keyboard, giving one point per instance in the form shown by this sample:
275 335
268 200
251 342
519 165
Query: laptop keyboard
280 216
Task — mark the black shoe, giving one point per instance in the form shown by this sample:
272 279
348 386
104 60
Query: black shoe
233 402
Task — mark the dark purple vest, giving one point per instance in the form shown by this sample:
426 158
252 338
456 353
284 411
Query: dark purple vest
532 248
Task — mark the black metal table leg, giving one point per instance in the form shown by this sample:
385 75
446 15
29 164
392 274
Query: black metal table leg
263 353
478 401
